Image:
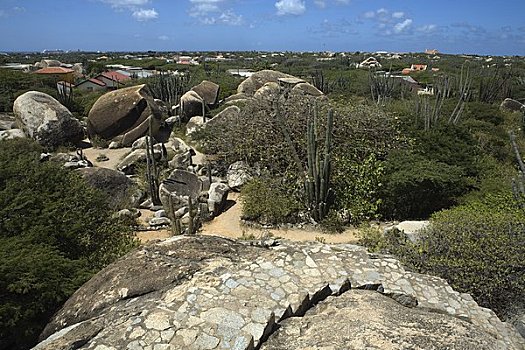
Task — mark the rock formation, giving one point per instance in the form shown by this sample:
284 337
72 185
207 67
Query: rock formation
45 120
202 292
126 113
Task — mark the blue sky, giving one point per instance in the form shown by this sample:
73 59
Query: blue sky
460 26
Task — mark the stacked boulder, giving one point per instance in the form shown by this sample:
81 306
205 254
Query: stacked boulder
125 114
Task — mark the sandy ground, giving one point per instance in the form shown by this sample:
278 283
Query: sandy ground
114 155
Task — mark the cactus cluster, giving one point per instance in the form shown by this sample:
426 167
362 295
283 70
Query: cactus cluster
317 183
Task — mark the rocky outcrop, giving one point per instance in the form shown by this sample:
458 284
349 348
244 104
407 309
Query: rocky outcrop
125 113
117 186
208 91
45 120
191 105
202 292
257 80
239 173
12 134
181 185
363 319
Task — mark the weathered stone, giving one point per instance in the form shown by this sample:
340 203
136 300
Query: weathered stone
7 121
362 319
45 120
412 229
12 134
118 187
191 105
208 91
194 124
217 196
258 79
180 185
307 89
200 292
239 173
228 113
268 91
133 161
125 112
163 221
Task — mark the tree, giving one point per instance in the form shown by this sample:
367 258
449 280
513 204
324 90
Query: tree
55 232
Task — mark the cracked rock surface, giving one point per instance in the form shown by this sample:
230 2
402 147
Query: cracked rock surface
202 292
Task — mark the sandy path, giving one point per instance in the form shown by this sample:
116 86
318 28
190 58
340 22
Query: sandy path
114 155
228 224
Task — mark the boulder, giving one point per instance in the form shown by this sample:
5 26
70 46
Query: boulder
7 121
217 196
126 112
412 229
45 120
363 319
239 173
250 85
205 292
208 91
141 143
194 124
268 91
133 161
180 185
12 134
307 89
239 97
229 113
117 186
191 105
512 105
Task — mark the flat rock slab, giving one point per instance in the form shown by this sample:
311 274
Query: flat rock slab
205 292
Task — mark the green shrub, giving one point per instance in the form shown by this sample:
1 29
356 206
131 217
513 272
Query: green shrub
415 187
55 232
478 248
267 201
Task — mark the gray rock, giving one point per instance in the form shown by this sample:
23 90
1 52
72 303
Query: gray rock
195 292
194 124
362 319
45 120
12 134
512 105
7 121
180 185
114 145
268 91
131 162
117 186
412 229
160 213
208 91
191 105
258 79
229 113
124 112
307 89
163 221
217 196
239 173
141 143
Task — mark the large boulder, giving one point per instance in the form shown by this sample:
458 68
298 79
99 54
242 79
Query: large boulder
45 120
202 292
363 319
208 91
230 112
125 112
181 185
117 186
268 91
7 121
239 173
250 85
191 105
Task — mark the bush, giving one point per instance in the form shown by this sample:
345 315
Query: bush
268 202
414 187
55 232
479 249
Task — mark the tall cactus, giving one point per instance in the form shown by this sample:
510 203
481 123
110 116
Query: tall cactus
152 170
317 183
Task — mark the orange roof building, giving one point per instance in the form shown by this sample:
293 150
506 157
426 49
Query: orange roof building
59 73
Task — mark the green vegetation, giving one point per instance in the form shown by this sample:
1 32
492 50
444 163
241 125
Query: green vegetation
55 233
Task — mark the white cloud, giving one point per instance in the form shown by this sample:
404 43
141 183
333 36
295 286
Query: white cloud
212 12
320 3
143 15
126 3
290 7
369 14
324 3
398 15
164 37
402 26
135 7
428 28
